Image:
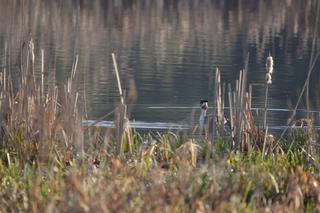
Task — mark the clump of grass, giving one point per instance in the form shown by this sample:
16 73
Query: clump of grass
37 122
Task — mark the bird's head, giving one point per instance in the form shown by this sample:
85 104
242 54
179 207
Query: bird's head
204 104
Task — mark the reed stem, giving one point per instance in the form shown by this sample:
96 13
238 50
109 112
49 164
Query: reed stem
42 72
118 77
264 142
265 106
123 109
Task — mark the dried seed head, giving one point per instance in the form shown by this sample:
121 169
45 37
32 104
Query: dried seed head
269 64
268 78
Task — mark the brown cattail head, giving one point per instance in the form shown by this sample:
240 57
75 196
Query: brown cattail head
268 78
269 64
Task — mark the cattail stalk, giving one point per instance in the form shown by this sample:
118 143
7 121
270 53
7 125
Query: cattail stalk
264 142
268 79
265 106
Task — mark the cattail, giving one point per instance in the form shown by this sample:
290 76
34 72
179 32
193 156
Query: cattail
268 78
269 64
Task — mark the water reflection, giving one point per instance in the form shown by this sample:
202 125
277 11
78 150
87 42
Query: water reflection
168 48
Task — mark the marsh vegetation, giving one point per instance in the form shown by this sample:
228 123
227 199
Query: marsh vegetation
50 161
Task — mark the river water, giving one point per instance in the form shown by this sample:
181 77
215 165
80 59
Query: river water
168 50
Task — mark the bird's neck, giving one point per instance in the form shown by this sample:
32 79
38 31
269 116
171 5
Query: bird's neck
203 118
203 112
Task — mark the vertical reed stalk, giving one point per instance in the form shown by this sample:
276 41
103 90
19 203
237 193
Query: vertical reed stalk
85 96
42 73
250 96
264 143
219 106
123 109
222 109
243 98
118 77
231 108
265 106
216 84
5 62
32 63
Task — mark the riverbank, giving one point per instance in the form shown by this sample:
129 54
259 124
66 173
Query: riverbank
163 173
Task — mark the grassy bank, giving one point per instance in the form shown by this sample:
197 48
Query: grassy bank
163 174
50 162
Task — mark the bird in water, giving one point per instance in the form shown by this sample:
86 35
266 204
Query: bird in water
203 116
206 124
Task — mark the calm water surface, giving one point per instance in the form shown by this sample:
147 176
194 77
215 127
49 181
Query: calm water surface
167 51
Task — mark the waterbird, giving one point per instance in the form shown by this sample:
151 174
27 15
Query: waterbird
203 116
205 123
